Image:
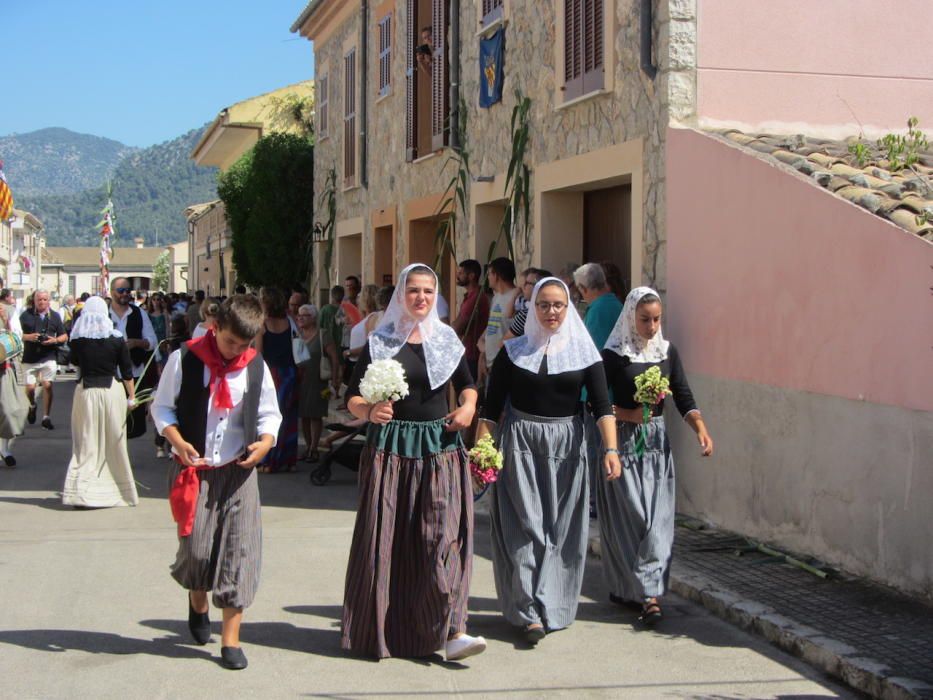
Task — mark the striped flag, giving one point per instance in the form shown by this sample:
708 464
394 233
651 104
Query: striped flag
6 197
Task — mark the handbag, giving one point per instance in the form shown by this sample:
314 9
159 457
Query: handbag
13 404
300 352
326 370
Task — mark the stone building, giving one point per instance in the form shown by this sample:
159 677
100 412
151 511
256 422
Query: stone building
596 130
726 158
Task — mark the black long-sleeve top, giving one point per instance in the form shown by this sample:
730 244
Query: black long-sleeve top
543 394
621 373
422 403
99 360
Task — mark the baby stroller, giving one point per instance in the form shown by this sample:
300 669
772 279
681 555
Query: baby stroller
345 451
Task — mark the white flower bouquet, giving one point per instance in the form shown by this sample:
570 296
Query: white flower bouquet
384 381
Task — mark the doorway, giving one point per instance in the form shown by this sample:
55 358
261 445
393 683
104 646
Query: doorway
607 228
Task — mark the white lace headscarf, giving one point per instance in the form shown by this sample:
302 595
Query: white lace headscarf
442 347
625 340
570 348
94 321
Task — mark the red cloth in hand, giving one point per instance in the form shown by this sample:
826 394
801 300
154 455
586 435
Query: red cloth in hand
205 349
183 498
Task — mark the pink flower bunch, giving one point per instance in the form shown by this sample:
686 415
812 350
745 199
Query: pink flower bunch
483 476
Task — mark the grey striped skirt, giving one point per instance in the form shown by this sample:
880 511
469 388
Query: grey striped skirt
636 516
408 577
540 519
223 553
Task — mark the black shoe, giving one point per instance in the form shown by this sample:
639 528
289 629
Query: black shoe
533 635
10 461
199 624
47 423
233 658
31 416
650 614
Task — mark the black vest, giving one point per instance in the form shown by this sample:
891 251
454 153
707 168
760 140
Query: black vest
134 329
192 405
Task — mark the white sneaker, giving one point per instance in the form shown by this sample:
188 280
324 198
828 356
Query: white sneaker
160 453
464 646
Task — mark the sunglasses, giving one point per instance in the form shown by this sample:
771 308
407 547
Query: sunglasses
123 290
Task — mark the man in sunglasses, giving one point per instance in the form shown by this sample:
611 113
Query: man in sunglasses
140 336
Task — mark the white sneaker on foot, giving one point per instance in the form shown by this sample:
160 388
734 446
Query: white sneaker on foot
160 453
464 646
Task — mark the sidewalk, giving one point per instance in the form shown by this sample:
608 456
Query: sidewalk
875 640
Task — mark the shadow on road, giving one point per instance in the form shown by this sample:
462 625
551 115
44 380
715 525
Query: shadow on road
102 643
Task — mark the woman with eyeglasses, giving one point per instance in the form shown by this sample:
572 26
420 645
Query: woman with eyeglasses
539 510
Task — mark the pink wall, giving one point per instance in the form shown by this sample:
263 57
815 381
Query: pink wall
799 61
776 281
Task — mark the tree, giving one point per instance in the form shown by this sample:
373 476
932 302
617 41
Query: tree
268 196
161 272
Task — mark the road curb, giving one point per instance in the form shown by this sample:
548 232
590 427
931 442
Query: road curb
813 646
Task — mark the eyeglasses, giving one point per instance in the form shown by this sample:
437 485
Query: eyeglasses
123 290
546 306
305 316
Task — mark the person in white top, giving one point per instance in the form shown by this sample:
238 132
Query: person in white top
132 323
208 311
216 405
501 276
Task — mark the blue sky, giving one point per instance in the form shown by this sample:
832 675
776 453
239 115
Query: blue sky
142 71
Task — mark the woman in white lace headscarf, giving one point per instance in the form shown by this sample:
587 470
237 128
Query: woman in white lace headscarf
636 513
408 577
540 503
99 474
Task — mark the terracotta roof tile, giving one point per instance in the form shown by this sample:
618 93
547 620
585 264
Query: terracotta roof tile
904 197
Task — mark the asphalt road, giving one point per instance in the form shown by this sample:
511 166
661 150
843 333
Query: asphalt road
89 610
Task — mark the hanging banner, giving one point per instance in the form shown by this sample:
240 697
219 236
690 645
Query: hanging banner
491 72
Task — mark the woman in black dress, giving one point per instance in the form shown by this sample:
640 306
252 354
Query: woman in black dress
408 577
636 513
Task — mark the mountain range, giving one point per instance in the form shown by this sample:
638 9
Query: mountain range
61 177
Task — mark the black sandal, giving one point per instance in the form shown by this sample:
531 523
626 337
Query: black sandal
650 613
534 633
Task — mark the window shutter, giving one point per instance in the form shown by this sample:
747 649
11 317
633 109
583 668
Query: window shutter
492 10
593 63
573 49
411 81
349 119
385 54
440 82
322 105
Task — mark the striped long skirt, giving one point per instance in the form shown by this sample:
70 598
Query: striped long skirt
636 516
411 558
540 519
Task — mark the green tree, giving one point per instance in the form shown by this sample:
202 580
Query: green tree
268 195
161 271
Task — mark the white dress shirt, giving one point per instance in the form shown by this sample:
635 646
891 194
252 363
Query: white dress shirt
226 434
148 333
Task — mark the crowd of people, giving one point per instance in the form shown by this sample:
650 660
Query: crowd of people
547 367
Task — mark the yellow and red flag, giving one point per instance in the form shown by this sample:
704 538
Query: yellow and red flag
6 197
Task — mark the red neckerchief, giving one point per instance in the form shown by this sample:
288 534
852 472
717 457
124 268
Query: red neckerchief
205 349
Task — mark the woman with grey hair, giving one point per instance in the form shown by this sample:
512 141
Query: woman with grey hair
314 394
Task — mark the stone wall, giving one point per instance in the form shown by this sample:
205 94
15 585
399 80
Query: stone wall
635 107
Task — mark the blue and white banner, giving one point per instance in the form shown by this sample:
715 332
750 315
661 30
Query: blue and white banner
491 73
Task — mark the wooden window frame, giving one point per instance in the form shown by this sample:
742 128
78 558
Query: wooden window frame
323 106
491 11
584 56
349 118
384 58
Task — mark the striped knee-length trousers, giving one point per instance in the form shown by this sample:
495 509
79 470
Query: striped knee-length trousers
223 553
540 519
408 576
